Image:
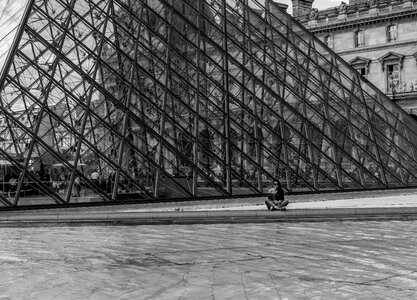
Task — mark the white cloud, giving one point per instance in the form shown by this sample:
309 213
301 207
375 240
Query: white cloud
323 4
11 12
320 4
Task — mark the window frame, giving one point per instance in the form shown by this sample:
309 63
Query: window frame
394 37
387 61
328 40
361 65
362 71
393 87
359 42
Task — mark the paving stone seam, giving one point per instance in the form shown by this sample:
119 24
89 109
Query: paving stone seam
218 216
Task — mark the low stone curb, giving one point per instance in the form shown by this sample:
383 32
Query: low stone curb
212 216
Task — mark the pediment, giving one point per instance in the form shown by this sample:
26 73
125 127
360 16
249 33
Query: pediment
359 61
391 57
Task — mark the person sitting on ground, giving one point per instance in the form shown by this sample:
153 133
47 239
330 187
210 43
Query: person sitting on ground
275 199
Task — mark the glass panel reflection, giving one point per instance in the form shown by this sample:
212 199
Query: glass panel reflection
135 100
11 13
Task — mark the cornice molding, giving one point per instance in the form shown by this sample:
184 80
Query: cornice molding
376 48
359 60
362 21
405 100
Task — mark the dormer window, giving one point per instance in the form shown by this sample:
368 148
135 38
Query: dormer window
361 65
328 40
392 64
359 38
362 71
393 78
392 33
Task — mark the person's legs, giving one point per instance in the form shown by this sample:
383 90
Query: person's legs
270 205
283 203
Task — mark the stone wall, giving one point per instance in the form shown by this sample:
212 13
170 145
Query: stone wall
374 18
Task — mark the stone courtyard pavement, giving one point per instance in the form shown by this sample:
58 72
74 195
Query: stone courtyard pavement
323 260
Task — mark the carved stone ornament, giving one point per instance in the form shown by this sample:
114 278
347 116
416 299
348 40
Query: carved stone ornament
342 8
314 13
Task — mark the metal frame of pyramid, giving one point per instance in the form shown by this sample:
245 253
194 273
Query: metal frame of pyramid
187 99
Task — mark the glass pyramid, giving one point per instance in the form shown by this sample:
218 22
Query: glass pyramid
11 13
164 99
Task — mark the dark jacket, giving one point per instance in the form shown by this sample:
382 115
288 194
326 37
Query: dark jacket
276 193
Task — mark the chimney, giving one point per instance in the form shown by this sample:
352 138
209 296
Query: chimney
301 8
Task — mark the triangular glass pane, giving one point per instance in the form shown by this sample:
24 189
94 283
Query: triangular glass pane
188 99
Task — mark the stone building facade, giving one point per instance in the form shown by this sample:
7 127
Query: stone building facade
377 37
